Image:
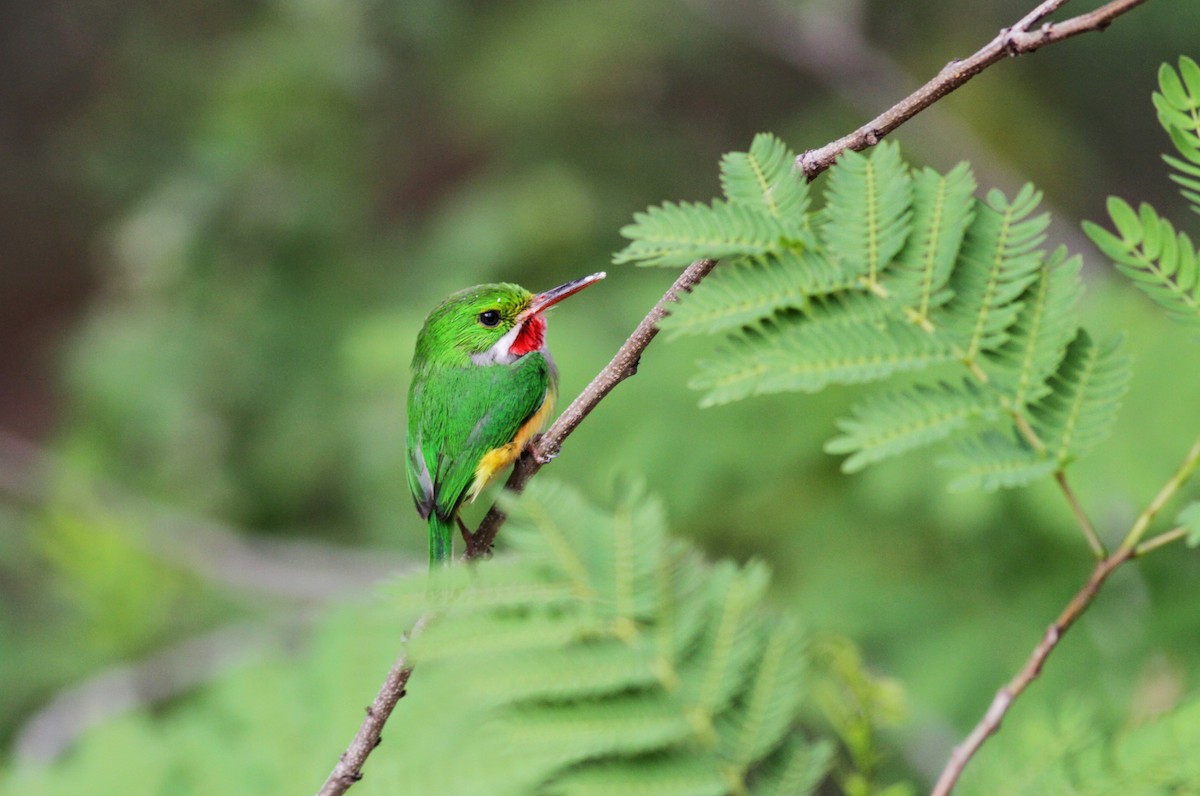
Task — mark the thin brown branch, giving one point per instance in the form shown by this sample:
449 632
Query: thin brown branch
1005 697
1042 11
349 766
623 365
1129 550
1017 40
828 42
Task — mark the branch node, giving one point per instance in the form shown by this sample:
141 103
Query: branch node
805 165
1000 704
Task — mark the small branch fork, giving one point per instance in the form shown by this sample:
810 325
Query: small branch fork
1016 40
1131 547
1021 38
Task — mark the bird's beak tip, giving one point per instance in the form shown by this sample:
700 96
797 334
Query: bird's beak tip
544 301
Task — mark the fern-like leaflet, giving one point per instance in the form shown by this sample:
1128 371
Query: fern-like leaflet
1162 262
606 658
1040 335
1178 104
995 460
999 258
761 179
891 423
1147 249
1081 401
1070 753
869 214
749 288
677 234
942 209
903 271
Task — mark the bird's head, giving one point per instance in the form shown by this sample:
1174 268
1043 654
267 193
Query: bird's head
490 324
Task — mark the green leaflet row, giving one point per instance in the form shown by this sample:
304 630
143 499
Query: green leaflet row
608 658
1146 247
903 271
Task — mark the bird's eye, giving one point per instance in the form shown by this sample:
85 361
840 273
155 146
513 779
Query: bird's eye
489 318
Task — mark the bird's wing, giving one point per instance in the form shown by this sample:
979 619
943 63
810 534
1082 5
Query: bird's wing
456 415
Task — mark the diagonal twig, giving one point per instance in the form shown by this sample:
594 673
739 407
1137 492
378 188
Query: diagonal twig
1021 38
1004 698
1129 550
349 766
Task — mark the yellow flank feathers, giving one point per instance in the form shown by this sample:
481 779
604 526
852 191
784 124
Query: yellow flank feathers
497 459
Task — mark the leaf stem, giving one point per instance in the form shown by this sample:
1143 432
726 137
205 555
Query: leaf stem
1026 430
1164 495
1155 542
1089 531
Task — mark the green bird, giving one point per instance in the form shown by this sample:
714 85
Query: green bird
483 384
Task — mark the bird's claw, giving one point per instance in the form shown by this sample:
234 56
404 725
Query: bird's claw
543 457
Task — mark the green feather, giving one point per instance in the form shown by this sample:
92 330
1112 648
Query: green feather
466 399
456 415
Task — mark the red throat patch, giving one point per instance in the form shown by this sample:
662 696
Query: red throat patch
530 338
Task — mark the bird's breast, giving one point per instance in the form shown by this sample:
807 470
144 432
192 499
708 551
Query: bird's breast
498 458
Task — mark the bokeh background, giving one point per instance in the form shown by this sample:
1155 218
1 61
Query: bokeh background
223 223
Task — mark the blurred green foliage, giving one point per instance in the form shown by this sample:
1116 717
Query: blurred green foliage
606 657
287 186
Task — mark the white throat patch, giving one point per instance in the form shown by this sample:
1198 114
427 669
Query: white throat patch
499 354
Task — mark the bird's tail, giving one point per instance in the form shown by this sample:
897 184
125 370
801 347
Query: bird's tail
441 540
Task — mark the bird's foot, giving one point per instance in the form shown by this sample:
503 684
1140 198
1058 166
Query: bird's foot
540 455
544 457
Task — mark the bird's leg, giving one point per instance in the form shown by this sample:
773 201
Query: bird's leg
467 536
